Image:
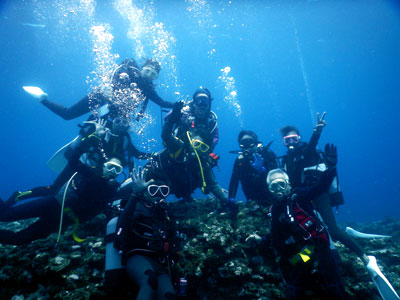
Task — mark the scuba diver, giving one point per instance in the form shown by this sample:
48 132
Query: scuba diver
190 134
87 193
300 154
130 87
251 168
305 166
110 136
299 238
197 114
145 236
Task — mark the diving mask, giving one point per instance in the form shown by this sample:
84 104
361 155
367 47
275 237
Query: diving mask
202 100
158 190
247 143
291 139
121 122
199 145
112 168
149 73
279 187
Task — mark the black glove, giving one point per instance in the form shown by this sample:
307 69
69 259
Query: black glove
176 113
330 155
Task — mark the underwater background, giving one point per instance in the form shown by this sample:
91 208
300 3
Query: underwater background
267 64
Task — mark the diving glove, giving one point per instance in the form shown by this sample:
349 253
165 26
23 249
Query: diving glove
330 155
139 183
176 113
257 163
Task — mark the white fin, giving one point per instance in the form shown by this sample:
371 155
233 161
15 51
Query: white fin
383 285
58 161
361 235
34 91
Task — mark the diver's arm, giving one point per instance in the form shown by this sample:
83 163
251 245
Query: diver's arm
142 110
128 212
123 222
215 138
74 162
309 193
321 123
213 127
234 182
270 159
171 142
314 140
153 96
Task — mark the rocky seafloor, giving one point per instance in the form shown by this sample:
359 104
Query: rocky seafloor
215 259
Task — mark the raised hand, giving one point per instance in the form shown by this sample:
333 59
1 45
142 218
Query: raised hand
321 123
330 155
176 113
139 184
257 163
100 126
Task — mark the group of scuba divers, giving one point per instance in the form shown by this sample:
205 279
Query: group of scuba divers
143 241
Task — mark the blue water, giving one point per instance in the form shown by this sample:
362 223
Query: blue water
287 59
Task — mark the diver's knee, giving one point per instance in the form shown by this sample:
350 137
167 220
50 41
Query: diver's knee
151 278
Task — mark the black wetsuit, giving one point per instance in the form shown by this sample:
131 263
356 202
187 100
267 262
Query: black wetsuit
181 155
253 183
146 236
88 195
306 155
289 238
119 146
97 99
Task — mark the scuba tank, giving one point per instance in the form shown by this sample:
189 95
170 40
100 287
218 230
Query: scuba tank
114 270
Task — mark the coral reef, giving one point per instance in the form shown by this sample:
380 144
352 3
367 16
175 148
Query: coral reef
215 258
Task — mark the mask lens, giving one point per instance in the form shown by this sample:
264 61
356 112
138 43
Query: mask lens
204 148
153 189
125 122
117 121
164 189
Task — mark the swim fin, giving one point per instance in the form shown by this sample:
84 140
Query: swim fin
357 234
58 161
34 91
383 285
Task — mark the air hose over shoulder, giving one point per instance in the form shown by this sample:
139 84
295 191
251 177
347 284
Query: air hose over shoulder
76 238
204 185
